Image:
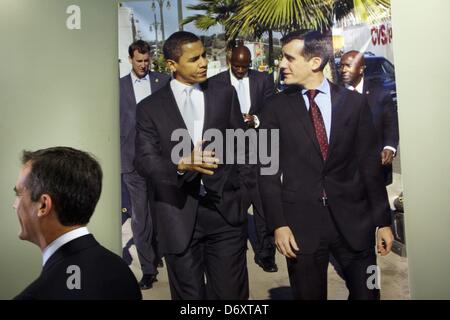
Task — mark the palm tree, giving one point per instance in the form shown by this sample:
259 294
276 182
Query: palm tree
215 12
287 15
254 17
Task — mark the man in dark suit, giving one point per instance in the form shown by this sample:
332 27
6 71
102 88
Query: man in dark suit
199 203
56 194
328 195
140 83
253 88
384 110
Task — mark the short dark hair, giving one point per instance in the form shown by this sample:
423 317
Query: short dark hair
172 47
357 54
71 177
316 44
140 45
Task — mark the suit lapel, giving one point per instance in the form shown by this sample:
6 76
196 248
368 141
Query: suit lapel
338 97
155 83
209 100
130 91
172 110
253 91
298 107
171 107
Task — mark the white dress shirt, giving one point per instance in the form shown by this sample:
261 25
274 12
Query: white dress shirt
198 98
141 87
244 99
359 88
62 240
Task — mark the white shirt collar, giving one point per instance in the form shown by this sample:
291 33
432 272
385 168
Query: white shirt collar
359 88
236 79
178 87
324 87
134 78
62 240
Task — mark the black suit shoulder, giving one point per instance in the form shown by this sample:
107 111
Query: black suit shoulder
101 273
259 75
161 76
223 76
217 84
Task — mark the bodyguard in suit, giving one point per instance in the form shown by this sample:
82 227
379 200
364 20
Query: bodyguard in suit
253 88
329 195
56 194
384 110
140 83
199 203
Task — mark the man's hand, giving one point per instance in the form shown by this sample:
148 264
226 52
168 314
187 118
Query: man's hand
200 161
249 119
385 238
285 242
387 156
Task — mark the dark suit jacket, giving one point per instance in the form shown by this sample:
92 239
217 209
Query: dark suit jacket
351 175
103 274
176 196
385 118
128 116
261 87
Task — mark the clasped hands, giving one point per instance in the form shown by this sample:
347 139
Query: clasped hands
200 161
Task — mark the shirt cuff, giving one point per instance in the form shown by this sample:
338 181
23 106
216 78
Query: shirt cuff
181 173
256 121
392 149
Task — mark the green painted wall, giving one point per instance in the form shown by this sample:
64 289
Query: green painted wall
57 87
421 50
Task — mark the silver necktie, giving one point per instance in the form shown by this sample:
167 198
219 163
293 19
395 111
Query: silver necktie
242 96
190 113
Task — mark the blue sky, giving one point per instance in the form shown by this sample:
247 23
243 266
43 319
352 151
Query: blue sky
145 15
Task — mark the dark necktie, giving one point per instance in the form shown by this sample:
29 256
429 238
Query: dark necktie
318 124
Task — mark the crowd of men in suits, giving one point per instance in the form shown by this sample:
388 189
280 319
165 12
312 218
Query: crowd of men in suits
328 196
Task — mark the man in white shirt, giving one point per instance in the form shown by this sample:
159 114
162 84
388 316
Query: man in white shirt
253 88
199 205
384 110
140 83
56 194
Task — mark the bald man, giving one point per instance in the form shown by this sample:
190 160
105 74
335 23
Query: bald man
253 88
384 110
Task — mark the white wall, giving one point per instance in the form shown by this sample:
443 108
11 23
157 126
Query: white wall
422 50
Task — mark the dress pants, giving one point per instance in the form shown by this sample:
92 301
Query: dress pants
141 222
308 273
265 246
214 265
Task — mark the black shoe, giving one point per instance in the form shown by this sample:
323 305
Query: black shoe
147 281
267 264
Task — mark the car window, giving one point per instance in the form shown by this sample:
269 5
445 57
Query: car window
388 68
373 67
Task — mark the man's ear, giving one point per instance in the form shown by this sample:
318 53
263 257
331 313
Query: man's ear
45 205
130 60
361 70
172 65
315 63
